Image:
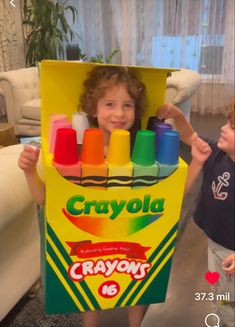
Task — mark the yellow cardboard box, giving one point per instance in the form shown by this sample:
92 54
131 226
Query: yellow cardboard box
104 248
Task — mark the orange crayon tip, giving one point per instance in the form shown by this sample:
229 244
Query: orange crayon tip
93 147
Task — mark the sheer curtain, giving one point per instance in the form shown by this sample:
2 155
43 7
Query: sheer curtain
11 41
11 37
218 87
194 34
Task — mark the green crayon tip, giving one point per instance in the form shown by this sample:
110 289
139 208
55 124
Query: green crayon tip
144 148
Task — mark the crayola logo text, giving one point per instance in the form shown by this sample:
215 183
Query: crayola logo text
77 205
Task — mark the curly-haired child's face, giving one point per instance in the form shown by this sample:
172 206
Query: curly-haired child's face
115 110
226 141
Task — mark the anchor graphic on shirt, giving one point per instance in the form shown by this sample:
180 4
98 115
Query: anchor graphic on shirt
223 181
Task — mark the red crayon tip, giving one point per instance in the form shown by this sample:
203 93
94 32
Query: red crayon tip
65 152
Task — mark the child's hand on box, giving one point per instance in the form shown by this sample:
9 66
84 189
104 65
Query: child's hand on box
28 158
167 111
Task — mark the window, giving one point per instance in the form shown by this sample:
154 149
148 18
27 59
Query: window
193 36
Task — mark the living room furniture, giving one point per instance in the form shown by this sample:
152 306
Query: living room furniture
22 100
22 96
19 232
2 104
7 134
180 87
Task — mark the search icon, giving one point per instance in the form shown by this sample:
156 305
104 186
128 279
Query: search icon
216 319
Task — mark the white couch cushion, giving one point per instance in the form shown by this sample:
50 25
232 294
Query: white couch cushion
15 195
19 233
31 109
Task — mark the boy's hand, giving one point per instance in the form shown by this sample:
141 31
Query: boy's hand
167 111
200 150
28 158
228 264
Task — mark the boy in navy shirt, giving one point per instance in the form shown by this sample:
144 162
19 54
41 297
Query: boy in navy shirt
214 213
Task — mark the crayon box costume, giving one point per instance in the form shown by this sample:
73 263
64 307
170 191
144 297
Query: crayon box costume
104 248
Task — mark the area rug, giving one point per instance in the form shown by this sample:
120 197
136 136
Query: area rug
29 312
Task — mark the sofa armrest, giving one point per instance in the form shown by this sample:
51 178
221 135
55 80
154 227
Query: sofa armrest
181 85
13 185
19 232
18 87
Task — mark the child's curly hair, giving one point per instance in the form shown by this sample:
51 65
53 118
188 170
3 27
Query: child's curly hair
103 77
230 109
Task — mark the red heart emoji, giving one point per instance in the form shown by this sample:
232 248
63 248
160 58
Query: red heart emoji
212 277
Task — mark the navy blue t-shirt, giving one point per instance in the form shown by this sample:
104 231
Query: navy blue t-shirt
214 213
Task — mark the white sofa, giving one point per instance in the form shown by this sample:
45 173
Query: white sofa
180 87
22 100
19 232
22 96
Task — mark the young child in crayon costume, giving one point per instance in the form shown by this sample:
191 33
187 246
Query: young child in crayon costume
113 98
214 213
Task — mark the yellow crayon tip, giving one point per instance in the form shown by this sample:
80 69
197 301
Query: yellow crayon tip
119 148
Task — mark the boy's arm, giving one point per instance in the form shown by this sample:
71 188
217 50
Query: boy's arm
187 134
28 163
200 153
193 172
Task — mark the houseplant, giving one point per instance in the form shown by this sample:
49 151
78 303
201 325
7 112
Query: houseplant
99 58
48 29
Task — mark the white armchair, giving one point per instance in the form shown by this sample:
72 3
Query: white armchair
20 89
